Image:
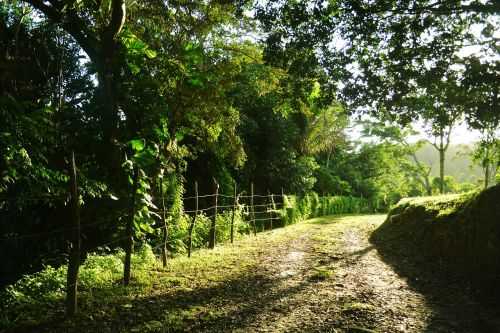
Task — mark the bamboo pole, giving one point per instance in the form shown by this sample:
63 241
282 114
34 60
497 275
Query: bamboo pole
253 211
270 207
164 252
211 243
235 202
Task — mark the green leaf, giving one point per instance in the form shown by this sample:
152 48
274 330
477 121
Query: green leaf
138 144
147 228
149 53
133 67
179 136
144 158
195 82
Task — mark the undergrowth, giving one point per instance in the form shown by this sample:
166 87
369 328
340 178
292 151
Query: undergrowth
39 298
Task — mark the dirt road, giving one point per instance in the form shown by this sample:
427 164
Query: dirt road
332 279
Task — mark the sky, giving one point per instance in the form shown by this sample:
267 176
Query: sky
460 135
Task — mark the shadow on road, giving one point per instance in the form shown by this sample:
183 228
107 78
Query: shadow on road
456 305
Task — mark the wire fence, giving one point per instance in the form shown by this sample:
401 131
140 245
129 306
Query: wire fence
251 213
254 212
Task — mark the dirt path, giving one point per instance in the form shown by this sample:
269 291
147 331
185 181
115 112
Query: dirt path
332 279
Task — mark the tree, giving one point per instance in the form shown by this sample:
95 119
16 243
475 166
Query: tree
487 155
442 108
392 133
450 185
97 27
482 99
383 45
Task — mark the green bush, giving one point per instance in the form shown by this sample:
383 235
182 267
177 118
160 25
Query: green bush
296 208
315 205
98 270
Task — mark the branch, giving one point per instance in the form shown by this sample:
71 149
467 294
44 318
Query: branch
117 21
441 7
434 144
72 23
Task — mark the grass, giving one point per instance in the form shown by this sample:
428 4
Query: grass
39 298
321 273
356 306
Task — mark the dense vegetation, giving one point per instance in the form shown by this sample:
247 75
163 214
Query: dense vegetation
154 98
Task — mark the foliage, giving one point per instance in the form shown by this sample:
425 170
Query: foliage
49 285
450 185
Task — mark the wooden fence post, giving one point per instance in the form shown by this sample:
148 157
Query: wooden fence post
252 210
211 241
273 207
164 251
74 257
129 245
193 221
235 202
270 207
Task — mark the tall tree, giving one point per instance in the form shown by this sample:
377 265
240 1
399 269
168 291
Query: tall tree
395 134
96 27
441 109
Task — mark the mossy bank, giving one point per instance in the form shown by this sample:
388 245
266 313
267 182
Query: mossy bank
462 230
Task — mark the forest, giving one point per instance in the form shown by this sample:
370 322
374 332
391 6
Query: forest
145 142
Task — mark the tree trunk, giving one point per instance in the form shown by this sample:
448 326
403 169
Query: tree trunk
110 116
442 151
428 186
104 50
486 175
441 171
